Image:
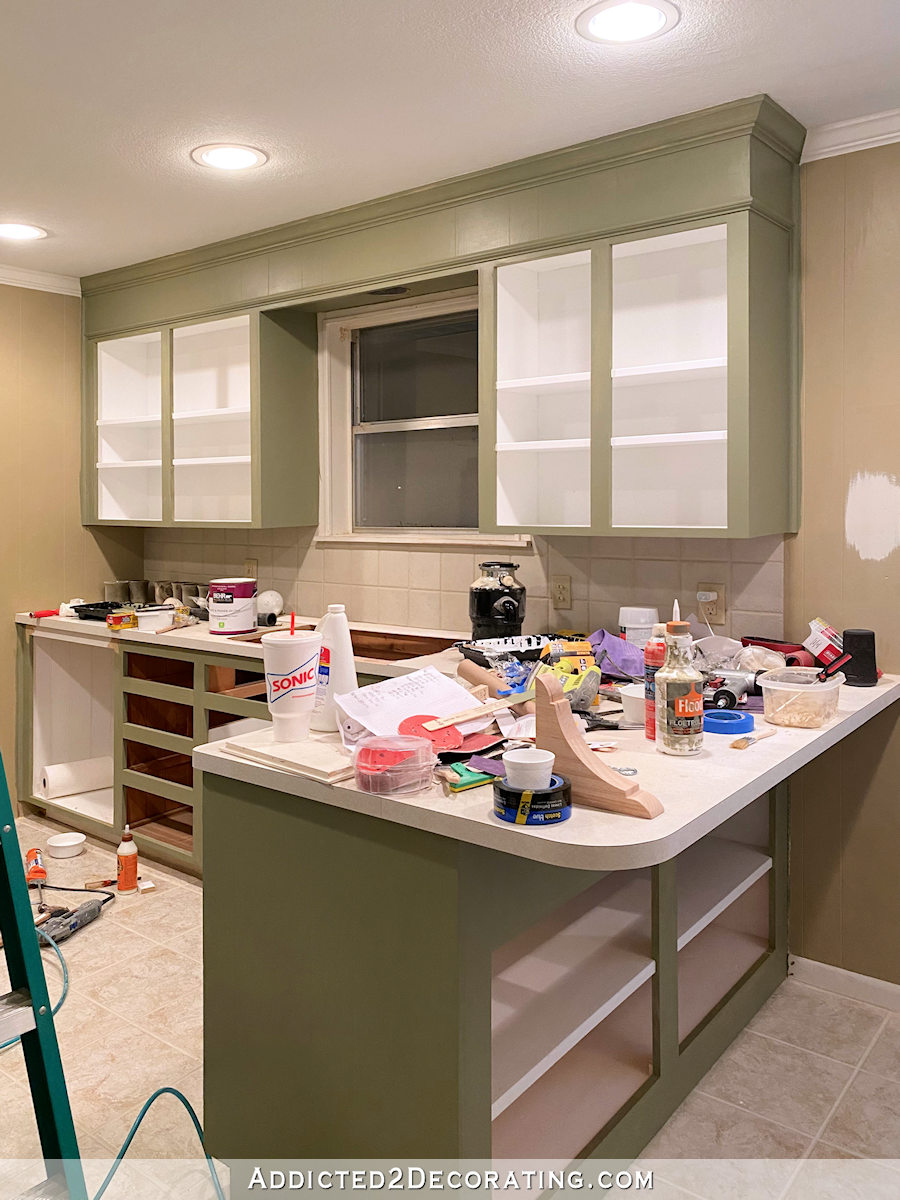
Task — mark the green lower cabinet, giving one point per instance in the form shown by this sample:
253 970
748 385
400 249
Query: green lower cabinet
396 994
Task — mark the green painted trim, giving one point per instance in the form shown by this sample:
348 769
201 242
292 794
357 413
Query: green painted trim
175 742
487 400
664 915
236 705
167 427
176 792
757 115
156 691
24 713
99 829
601 388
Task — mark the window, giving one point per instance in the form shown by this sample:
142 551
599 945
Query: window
399 390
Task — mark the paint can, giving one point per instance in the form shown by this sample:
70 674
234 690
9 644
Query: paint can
544 806
232 606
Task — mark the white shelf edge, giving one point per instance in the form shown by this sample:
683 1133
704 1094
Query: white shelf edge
670 439
571 1040
112 422
228 460
84 804
210 414
720 849
554 444
145 463
536 382
686 368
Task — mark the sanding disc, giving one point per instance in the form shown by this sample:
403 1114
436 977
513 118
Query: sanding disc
442 739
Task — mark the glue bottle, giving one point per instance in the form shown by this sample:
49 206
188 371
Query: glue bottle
337 673
679 695
127 870
654 657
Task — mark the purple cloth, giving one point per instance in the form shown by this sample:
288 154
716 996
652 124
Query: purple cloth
622 659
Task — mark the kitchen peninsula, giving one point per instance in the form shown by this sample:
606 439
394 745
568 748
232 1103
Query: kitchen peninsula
445 985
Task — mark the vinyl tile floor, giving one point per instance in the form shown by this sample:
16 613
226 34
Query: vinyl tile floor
815 1077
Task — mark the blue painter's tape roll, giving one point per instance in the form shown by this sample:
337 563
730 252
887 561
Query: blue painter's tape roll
727 720
545 806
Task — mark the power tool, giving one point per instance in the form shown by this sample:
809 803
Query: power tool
60 928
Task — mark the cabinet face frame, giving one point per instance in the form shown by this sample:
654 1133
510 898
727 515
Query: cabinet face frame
487 391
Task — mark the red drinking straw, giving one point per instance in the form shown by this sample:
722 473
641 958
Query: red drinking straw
293 619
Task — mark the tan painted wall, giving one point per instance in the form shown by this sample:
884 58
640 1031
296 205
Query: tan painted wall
45 554
846 807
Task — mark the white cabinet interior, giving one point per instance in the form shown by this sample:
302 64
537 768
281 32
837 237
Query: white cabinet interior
669 381
211 420
129 428
544 392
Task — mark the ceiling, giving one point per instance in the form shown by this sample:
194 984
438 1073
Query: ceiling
104 99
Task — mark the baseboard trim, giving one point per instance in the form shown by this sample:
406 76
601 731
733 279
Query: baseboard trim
845 983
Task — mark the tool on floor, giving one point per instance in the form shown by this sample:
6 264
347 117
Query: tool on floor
742 743
36 873
62 927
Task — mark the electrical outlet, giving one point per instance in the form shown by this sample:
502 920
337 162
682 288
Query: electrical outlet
251 568
713 610
561 591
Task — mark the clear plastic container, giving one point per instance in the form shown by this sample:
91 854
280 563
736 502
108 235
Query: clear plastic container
796 696
387 766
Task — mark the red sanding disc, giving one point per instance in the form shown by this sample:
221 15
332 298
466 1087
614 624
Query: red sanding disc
442 739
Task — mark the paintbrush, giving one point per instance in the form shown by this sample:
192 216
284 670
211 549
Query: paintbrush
742 743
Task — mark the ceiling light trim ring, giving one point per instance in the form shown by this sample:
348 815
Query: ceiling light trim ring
200 156
670 14
21 231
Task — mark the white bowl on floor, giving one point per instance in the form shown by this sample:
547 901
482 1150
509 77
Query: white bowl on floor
65 845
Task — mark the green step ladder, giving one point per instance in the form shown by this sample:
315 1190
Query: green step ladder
26 1012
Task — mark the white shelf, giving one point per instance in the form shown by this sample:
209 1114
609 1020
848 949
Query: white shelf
97 805
575 382
580 967
557 444
135 422
144 463
712 874
671 372
218 462
201 416
670 439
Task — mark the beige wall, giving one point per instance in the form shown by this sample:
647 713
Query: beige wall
846 807
429 589
45 553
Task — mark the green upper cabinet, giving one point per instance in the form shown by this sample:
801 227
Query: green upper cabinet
643 385
210 423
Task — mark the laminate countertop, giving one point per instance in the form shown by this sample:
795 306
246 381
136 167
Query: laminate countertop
697 793
199 638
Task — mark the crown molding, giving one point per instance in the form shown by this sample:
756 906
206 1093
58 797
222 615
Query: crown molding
40 281
844 137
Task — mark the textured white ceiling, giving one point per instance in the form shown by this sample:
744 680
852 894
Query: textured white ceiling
102 100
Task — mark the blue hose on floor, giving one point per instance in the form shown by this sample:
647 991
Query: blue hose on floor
134 1128
65 988
159 1092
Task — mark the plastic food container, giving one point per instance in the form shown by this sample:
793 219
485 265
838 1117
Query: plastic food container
65 845
155 617
390 765
795 696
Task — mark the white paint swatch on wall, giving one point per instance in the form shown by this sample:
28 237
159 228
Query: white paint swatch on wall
872 515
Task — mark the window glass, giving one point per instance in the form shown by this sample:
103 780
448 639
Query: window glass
423 478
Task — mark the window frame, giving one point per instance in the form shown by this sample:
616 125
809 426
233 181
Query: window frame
336 418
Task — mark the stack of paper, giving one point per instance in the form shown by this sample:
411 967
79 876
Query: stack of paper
380 708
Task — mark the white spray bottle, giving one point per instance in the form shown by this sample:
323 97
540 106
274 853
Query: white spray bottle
337 672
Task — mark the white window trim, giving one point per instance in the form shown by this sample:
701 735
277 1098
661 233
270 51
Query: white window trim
335 427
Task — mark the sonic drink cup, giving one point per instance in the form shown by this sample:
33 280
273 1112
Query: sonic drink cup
292 666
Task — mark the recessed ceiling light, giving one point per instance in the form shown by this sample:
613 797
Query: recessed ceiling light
228 158
21 233
627 20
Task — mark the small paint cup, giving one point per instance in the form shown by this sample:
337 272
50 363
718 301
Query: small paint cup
291 664
530 770
633 706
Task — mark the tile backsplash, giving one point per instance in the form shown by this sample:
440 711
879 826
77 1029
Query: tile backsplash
428 589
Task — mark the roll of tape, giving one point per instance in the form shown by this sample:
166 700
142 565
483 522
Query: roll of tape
546 806
727 720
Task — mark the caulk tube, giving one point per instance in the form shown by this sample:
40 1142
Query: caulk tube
291 664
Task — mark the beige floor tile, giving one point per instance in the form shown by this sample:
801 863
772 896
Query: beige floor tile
852 1179
172 918
109 1085
179 1024
824 1150
820 1021
884 1057
18 1130
867 1120
135 986
789 1086
80 1024
730 1153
